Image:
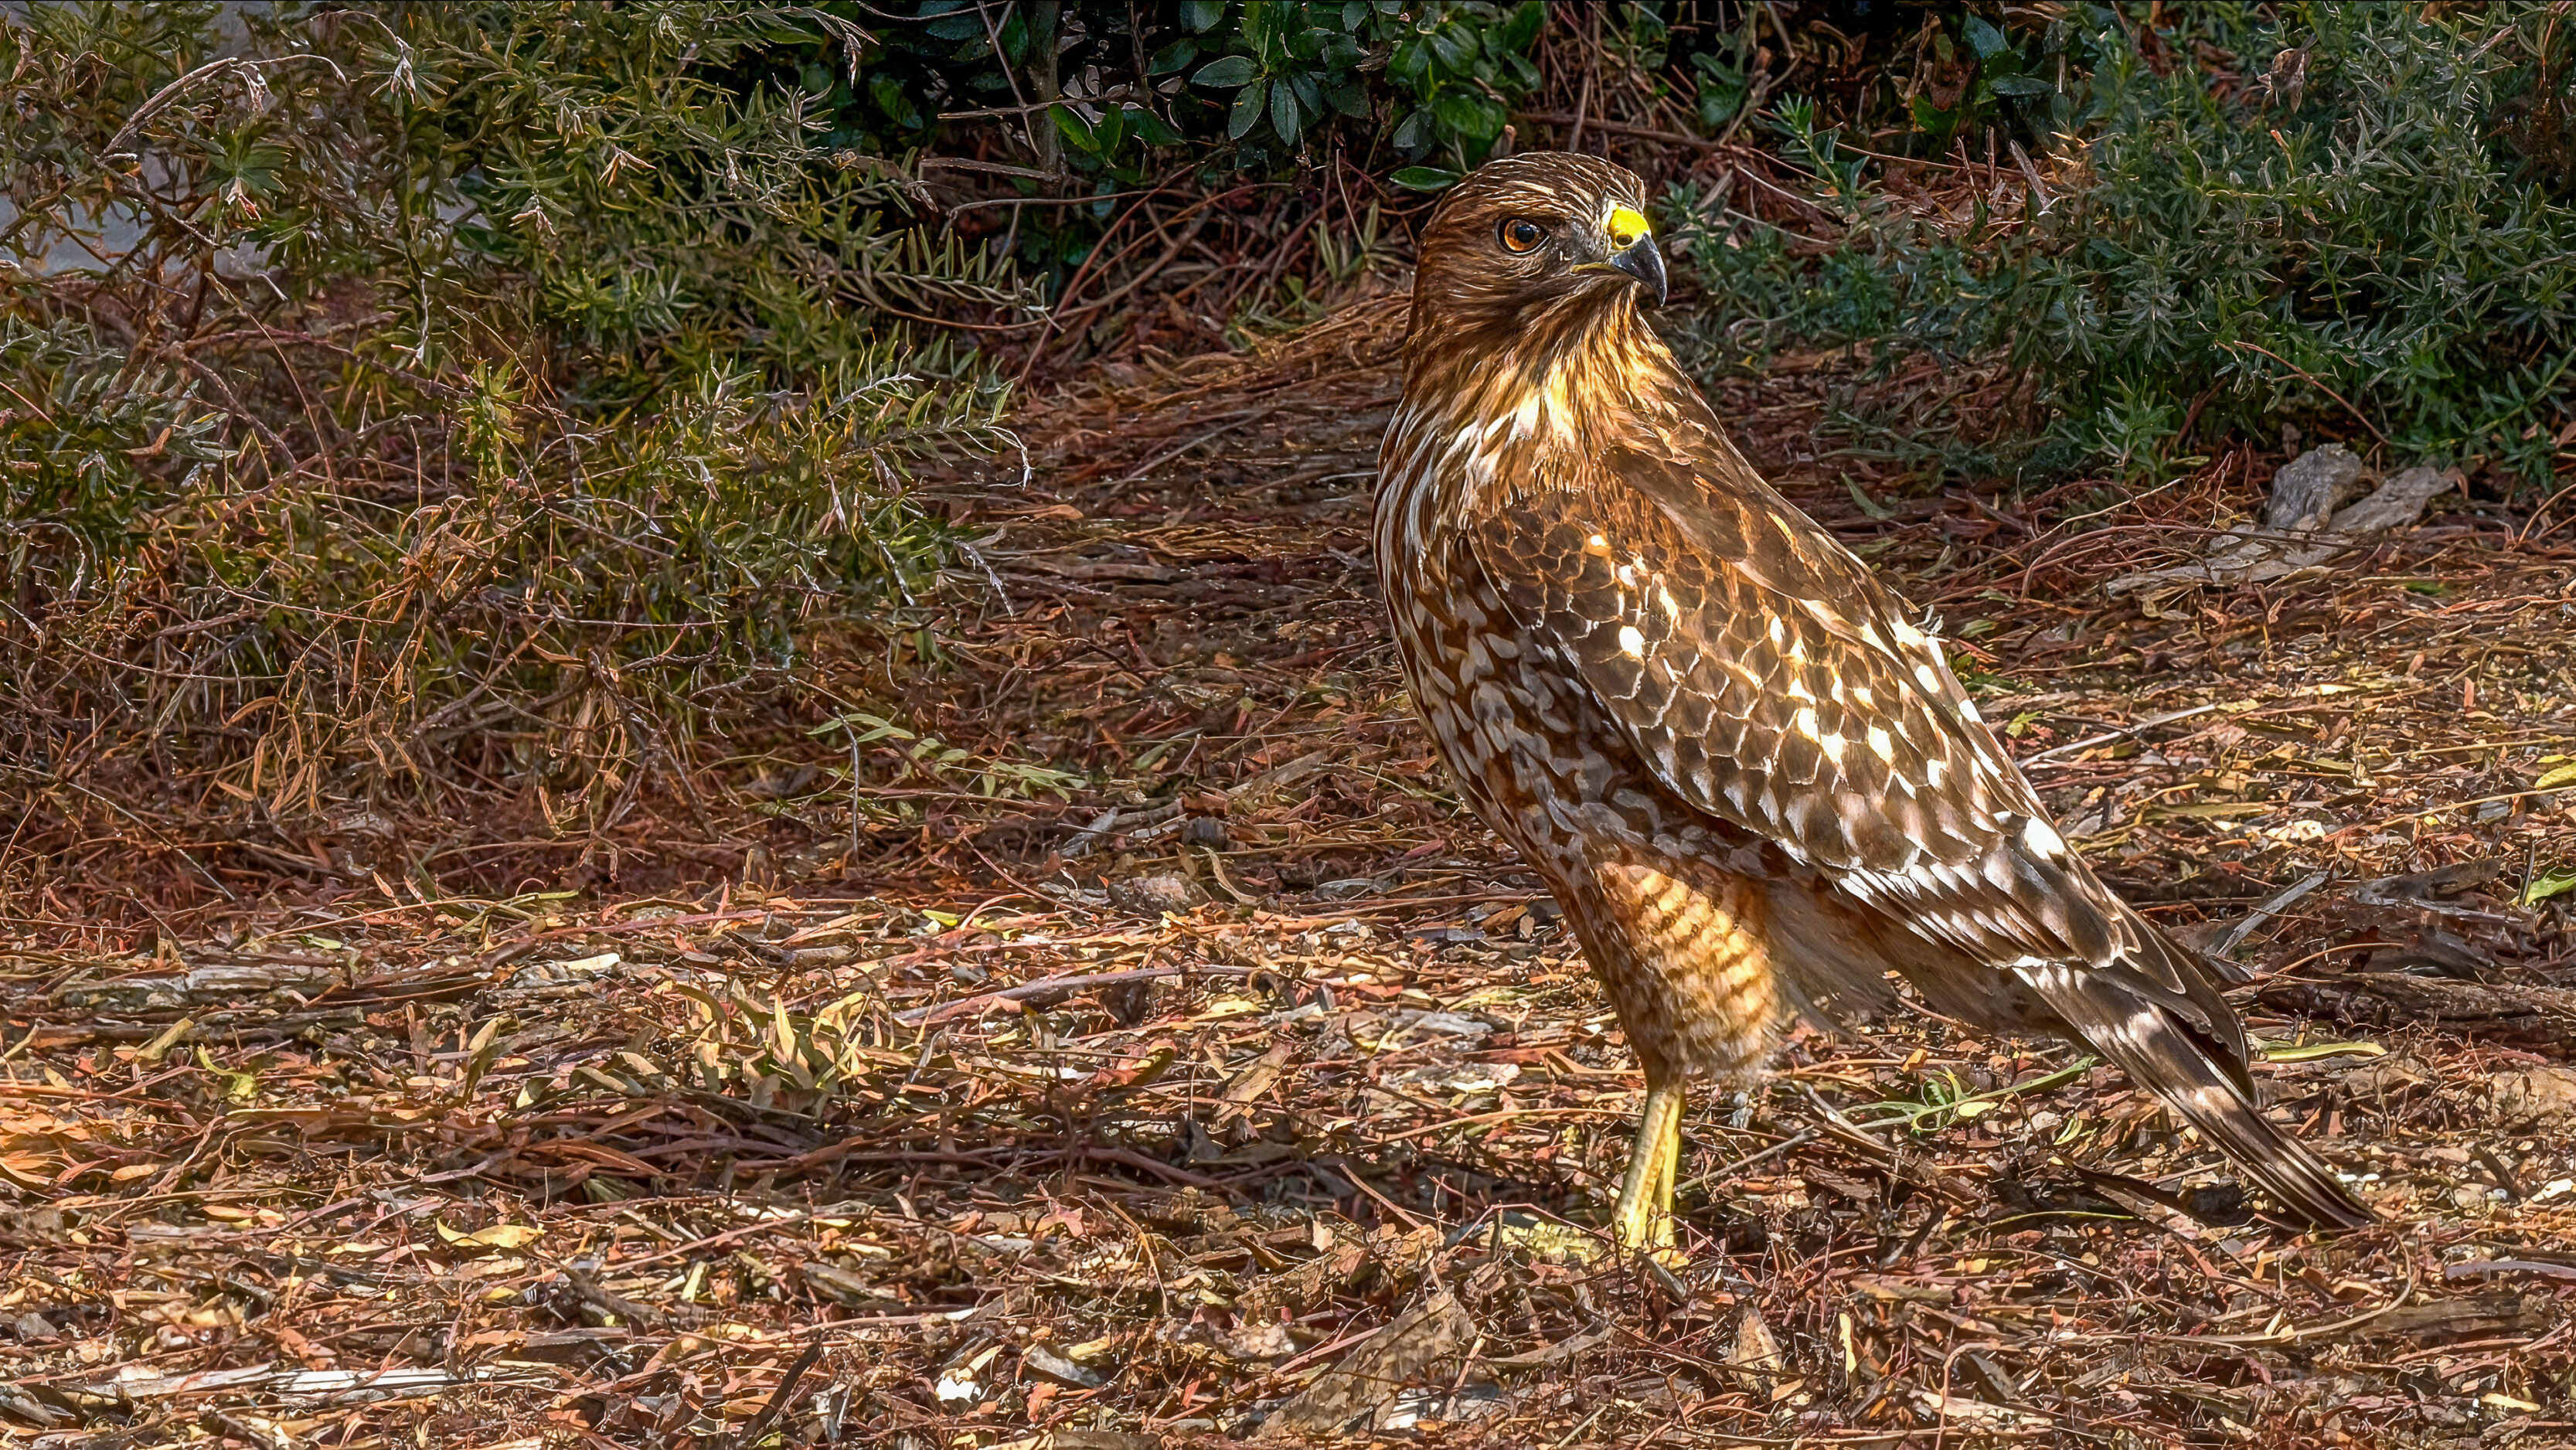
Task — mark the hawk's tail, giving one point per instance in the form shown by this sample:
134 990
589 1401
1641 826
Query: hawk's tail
2159 1052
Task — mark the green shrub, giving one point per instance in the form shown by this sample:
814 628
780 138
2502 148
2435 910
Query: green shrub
492 396
1450 71
405 398
1431 80
2363 225
1106 98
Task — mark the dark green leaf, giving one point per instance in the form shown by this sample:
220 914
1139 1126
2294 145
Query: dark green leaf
1456 52
1467 113
1285 117
1719 102
1424 178
1310 97
1983 38
1201 16
1227 71
1518 31
2022 86
1173 57
1246 113
1261 22
1076 131
1413 133
1409 62
894 102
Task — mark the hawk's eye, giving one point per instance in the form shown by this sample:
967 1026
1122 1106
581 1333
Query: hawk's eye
1520 234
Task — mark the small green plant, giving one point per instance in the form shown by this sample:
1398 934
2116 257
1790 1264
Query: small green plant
930 758
1837 176
1946 1100
2542 888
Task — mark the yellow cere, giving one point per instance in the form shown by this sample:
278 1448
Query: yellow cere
1626 225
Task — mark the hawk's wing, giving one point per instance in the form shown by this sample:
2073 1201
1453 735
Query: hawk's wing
1769 680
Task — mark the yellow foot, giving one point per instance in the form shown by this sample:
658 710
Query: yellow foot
1643 1229
1651 1235
1642 1223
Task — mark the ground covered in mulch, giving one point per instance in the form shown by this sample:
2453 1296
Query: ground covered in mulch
1139 1048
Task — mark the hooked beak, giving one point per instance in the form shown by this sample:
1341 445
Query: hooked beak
1643 260
1633 253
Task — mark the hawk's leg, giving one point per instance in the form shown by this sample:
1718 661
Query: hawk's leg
1643 1219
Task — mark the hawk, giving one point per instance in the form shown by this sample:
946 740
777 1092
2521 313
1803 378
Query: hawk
1750 780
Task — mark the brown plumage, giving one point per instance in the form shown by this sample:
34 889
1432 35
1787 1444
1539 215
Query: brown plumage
1752 782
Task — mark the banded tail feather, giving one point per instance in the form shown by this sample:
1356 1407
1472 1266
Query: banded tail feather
2206 1086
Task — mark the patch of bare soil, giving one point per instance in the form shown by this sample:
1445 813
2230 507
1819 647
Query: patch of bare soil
1242 1090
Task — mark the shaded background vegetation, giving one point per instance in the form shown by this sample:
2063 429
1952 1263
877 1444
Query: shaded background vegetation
479 424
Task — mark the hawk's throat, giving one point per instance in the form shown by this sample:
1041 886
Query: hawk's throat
1491 411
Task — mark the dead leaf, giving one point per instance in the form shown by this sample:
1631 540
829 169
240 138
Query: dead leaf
507 1237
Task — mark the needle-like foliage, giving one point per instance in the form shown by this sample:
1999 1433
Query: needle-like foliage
398 398
2359 218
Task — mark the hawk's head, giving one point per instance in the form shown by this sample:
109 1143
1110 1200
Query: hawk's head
1537 236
